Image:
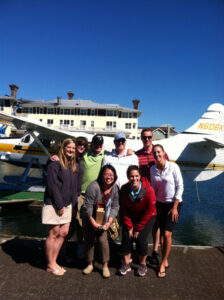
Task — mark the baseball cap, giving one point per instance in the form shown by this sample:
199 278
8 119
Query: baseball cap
97 139
120 135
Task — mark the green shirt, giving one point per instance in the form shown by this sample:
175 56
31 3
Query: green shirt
92 165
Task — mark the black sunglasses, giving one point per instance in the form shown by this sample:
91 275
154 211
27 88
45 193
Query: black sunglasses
79 143
97 145
121 141
149 137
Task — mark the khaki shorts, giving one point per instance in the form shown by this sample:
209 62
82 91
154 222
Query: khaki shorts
81 200
50 217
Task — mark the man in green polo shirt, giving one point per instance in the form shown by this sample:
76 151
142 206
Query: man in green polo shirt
92 162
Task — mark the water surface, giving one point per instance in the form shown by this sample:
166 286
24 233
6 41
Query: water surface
201 221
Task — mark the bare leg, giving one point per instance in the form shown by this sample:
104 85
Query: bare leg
127 258
142 259
166 242
153 259
63 232
54 243
50 246
162 242
156 238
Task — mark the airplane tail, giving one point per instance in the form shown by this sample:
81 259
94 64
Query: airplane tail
210 123
208 143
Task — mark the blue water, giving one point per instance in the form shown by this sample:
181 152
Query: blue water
201 220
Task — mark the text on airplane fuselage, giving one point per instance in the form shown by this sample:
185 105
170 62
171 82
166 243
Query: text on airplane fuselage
208 126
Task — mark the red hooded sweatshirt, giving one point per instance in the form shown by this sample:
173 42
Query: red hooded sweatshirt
135 214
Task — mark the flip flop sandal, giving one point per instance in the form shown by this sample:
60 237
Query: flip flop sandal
160 273
63 269
56 272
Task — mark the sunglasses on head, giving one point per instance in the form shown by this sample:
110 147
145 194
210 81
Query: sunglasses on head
149 137
79 143
121 141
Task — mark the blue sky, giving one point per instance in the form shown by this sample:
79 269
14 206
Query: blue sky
168 54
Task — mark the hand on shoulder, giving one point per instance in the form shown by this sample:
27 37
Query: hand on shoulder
54 158
130 152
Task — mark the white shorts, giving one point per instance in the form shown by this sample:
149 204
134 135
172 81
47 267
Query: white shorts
50 216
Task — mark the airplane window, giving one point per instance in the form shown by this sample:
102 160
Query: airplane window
26 139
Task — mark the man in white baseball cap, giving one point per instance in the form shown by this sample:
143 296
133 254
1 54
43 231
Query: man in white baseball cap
119 158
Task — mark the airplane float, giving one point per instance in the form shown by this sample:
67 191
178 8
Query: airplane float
199 150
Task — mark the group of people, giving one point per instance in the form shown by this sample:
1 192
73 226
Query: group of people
143 190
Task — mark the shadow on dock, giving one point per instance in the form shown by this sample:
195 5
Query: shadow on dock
194 273
26 251
31 251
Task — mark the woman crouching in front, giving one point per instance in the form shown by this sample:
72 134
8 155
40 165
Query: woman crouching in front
166 180
101 202
59 198
138 215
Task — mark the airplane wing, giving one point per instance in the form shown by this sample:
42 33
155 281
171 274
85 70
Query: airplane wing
23 123
210 142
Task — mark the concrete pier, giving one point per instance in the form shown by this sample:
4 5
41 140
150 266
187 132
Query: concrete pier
194 273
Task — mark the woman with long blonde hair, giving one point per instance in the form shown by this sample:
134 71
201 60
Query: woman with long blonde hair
63 180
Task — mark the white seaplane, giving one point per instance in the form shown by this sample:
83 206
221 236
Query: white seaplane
199 150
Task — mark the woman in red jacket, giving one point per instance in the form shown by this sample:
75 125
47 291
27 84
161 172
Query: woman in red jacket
138 215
